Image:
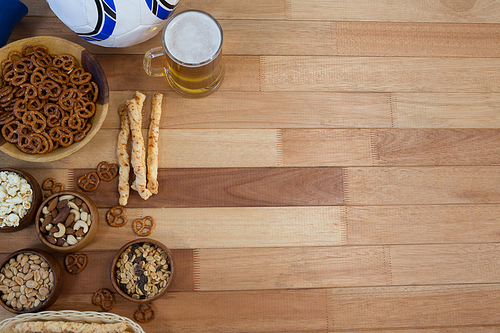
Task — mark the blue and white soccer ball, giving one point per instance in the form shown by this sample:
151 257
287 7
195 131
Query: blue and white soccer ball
114 23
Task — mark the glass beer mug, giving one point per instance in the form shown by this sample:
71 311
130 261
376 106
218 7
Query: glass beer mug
192 44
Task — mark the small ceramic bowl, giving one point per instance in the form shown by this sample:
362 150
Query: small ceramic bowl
26 268
152 280
67 221
36 200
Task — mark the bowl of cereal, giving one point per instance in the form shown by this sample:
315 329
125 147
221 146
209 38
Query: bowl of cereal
67 221
30 281
142 270
53 98
20 196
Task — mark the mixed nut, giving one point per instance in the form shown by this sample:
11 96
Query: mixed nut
26 281
65 220
143 270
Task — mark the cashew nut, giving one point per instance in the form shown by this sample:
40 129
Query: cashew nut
66 197
81 224
73 205
48 226
71 240
61 232
83 215
76 212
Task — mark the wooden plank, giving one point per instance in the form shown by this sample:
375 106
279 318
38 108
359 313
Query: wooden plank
446 110
241 73
377 225
379 74
421 185
326 147
97 274
285 268
263 110
436 146
444 264
413 307
480 11
232 187
183 148
410 39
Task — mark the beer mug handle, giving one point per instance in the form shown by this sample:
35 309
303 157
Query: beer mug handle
150 55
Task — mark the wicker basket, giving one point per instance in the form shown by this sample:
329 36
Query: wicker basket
70 316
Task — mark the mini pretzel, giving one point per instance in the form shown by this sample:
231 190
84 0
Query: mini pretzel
103 298
116 216
75 263
29 144
56 75
89 182
79 76
107 172
12 131
146 313
144 226
35 120
51 185
64 61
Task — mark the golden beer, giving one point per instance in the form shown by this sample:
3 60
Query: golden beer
192 44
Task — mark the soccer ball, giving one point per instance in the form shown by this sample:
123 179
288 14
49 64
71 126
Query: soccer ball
114 23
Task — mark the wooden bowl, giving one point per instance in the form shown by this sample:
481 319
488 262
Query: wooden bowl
58 46
54 292
116 260
87 238
35 201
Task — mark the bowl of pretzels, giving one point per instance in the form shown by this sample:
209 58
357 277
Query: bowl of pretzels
53 98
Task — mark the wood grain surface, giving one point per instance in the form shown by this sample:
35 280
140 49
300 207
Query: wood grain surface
344 178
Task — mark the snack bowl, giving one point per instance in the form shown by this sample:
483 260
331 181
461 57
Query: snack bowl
20 194
33 273
150 267
59 46
67 221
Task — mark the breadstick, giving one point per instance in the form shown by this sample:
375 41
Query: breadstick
154 133
138 158
123 156
68 327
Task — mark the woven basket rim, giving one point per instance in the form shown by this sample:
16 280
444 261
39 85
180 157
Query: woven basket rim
70 316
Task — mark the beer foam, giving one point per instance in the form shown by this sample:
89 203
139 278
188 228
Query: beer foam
192 37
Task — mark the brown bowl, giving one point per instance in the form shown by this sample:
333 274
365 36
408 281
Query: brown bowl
59 46
161 286
36 200
53 292
70 229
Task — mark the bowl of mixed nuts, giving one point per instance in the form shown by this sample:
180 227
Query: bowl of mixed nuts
142 270
20 196
29 281
67 221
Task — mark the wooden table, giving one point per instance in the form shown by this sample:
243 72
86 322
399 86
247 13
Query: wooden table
345 177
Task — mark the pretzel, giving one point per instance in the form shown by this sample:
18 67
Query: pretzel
80 136
89 182
79 76
22 65
123 156
84 108
75 263
29 144
146 313
48 88
115 216
107 172
30 91
45 146
6 117
36 104
138 158
154 133
64 61
27 50
35 120
51 185
61 135
103 298
12 131
15 78
68 98
55 74
141 227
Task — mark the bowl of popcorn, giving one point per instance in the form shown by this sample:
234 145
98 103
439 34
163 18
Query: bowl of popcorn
53 96
29 281
142 270
20 196
67 221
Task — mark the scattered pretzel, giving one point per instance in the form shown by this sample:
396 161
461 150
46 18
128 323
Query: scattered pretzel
144 226
107 172
89 182
116 216
146 313
103 298
75 263
51 185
